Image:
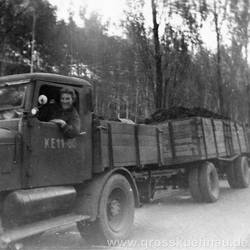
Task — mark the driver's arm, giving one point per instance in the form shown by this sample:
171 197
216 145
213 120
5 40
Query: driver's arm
72 127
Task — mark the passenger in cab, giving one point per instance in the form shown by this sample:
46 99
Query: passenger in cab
64 114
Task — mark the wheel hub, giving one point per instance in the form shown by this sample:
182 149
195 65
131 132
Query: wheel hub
114 208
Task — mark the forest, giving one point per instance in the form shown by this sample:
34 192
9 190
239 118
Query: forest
154 65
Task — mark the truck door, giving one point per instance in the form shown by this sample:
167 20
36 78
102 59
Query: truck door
54 159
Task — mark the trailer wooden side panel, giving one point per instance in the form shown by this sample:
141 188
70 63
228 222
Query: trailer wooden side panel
181 141
220 139
235 139
183 134
209 138
242 138
167 152
169 143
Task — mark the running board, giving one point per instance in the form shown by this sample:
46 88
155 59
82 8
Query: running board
39 227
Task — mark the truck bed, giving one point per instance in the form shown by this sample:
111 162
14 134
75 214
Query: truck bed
169 143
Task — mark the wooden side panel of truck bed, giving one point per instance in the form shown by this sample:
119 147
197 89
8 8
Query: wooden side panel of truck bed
120 144
170 143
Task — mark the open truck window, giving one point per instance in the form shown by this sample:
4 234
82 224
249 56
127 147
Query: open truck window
52 94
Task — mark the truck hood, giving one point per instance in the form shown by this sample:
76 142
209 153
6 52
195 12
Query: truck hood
7 136
9 157
8 130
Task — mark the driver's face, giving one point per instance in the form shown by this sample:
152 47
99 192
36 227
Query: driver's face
66 101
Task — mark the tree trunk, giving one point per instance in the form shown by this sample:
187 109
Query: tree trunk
2 56
136 101
127 108
218 68
158 70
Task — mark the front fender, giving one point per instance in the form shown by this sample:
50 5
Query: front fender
89 193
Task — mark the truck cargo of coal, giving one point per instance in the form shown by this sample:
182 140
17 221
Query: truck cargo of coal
97 178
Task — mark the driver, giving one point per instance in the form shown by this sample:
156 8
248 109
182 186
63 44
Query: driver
64 114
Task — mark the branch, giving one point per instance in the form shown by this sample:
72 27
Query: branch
225 13
15 18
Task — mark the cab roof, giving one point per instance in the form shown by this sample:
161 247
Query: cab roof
55 78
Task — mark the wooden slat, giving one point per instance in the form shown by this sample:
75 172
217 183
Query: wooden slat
137 147
245 137
204 138
119 127
237 135
234 139
148 140
159 146
220 137
242 138
209 137
110 146
122 139
171 138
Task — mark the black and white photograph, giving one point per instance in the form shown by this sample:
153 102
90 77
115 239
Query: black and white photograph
124 124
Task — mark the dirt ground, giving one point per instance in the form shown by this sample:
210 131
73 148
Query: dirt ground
174 221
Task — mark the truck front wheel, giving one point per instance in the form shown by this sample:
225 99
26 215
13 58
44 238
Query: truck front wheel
115 213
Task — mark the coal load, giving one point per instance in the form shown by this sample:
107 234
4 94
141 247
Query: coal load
162 115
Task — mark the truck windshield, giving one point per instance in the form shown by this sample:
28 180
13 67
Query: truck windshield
12 101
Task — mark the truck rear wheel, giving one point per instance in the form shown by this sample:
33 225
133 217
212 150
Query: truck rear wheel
115 213
194 185
209 182
241 169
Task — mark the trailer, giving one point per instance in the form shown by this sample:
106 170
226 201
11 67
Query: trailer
183 153
97 178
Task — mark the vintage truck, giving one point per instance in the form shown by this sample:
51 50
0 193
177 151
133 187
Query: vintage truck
97 178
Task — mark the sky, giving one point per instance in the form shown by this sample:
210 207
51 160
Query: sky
109 9
112 10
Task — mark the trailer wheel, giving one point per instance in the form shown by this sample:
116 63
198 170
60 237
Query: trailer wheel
115 213
241 169
194 185
209 182
231 177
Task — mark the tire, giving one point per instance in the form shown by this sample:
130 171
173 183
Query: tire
231 176
194 185
115 213
209 182
241 169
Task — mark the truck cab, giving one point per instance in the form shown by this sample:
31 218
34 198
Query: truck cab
35 153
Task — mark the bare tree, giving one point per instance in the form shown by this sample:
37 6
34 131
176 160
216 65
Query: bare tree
219 14
157 57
